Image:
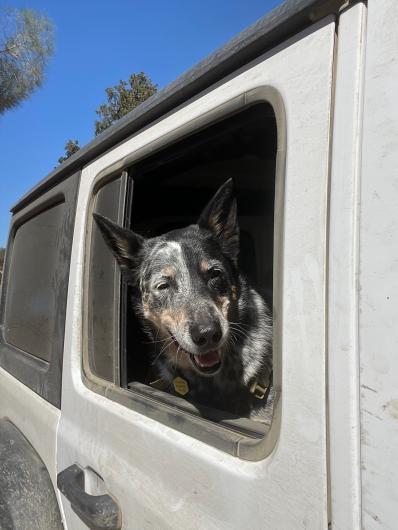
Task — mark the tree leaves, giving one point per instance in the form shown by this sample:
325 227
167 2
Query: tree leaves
71 147
26 44
123 98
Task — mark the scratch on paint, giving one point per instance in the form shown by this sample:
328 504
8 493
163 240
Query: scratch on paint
369 388
373 516
374 415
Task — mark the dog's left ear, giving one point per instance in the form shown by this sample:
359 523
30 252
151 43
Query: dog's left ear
124 244
220 217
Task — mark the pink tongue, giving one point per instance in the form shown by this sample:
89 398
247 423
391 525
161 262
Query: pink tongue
208 359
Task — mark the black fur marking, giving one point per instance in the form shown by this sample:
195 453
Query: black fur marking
220 217
124 244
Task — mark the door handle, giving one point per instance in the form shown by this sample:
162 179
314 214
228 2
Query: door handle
98 512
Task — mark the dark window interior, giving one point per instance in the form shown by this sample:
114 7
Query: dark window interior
168 190
30 312
172 187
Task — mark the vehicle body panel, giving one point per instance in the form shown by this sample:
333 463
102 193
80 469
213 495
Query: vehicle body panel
163 478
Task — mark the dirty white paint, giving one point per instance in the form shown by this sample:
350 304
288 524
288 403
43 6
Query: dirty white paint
343 348
378 275
163 478
36 419
33 416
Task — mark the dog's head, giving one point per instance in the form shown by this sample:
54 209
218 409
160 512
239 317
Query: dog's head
188 282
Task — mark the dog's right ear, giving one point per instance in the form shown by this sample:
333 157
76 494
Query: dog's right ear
125 244
220 217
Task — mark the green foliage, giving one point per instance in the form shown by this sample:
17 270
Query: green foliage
71 147
26 44
123 98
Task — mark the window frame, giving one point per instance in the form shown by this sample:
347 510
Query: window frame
229 435
41 376
120 207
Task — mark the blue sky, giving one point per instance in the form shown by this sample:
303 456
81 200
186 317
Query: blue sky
97 44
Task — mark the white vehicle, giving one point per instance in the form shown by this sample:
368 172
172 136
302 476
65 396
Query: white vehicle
301 109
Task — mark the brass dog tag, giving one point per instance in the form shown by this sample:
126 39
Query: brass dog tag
180 386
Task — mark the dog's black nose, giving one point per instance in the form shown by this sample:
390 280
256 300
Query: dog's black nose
206 334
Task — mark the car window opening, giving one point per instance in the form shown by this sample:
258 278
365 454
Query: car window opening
168 191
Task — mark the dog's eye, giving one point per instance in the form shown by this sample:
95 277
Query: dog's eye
162 286
215 273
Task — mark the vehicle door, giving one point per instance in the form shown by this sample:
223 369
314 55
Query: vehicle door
153 459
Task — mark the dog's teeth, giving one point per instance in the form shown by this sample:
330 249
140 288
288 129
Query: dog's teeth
207 360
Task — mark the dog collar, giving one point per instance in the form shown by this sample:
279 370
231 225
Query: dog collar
261 389
258 390
180 385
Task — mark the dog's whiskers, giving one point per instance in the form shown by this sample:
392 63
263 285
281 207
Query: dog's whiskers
241 324
168 341
176 361
238 332
236 325
156 341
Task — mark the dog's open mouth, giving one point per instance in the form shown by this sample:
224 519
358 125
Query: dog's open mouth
206 363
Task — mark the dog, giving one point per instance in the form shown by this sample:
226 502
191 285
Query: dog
211 330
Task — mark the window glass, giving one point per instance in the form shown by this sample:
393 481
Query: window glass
33 281
104 311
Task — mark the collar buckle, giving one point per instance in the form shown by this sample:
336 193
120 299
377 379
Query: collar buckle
258 390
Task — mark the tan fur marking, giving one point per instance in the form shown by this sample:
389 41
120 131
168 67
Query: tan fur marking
146 310
204 266
173 318
178 357
169 272
234 295
154 318
164 321
223 303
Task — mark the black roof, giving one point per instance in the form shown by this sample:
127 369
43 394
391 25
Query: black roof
287 19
